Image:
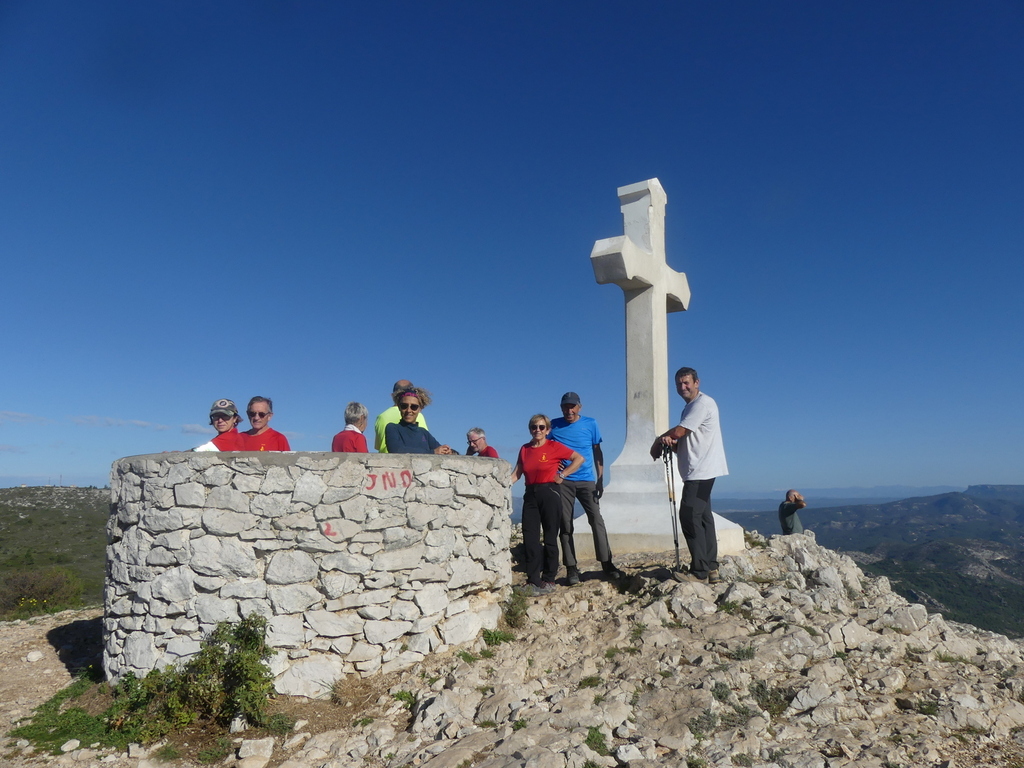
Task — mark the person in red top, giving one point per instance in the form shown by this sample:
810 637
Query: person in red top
351 439
261 437
477 441
539 461
225 419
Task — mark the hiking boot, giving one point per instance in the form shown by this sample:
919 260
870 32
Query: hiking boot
687 577
611 571
714 577
535 590
572 575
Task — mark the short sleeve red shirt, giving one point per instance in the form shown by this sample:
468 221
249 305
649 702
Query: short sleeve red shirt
271 440
540 464
232 440
489 453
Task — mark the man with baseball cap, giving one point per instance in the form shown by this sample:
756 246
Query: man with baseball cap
586 484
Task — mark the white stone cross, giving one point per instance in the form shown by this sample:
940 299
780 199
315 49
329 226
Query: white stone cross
635 262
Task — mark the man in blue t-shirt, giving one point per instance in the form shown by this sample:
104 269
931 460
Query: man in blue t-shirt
586 484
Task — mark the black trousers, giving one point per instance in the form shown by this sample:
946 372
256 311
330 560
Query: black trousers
585 492
542 514
698 525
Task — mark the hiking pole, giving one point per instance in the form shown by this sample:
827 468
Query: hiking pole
670 477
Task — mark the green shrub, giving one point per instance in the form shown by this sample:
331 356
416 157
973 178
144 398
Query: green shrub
408 698
741 654
773 700
721 691
228 678
703 724
738 717
25 593
591 681
515 610
497 637
216 753
928 707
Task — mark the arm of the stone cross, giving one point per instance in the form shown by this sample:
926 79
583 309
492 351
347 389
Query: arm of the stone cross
677 290
617 260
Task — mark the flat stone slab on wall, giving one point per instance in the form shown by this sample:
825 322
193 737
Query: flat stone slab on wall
360 562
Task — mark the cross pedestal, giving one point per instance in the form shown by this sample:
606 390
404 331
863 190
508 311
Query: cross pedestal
635 504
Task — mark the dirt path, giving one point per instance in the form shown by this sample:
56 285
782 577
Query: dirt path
40 656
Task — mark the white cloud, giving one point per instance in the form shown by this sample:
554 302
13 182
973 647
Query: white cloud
21 418
195 429
11 449
109 421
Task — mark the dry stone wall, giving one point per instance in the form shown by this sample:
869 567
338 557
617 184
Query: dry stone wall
360 562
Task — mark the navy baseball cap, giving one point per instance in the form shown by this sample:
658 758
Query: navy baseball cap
570 398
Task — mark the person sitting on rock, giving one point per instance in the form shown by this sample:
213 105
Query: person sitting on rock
351 439
788 517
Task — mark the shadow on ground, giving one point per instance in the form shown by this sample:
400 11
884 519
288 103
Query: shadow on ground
78 643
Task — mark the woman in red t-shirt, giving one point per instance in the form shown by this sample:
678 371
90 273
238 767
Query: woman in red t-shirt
540 460
224 418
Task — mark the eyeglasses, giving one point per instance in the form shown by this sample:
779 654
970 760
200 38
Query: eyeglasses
475 439
258 414
408 406
221 417
535 427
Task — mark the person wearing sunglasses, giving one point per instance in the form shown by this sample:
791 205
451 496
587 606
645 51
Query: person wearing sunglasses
392 416
261 437
476 440
225 419
407 436
539 461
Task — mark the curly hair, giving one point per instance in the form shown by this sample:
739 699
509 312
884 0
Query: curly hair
420 393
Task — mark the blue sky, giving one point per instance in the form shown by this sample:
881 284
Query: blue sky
311 200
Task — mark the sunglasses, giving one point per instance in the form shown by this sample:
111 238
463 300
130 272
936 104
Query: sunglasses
408 406
221 417
258 414
535 427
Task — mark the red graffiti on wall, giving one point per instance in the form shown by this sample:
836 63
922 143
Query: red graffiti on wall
388 480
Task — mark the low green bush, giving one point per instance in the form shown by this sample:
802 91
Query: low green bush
25 593
228 678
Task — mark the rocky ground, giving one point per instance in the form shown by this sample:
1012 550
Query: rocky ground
795 660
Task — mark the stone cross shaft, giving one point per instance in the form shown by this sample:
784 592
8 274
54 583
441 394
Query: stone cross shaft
635 262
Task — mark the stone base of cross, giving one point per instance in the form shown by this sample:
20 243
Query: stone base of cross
635 504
